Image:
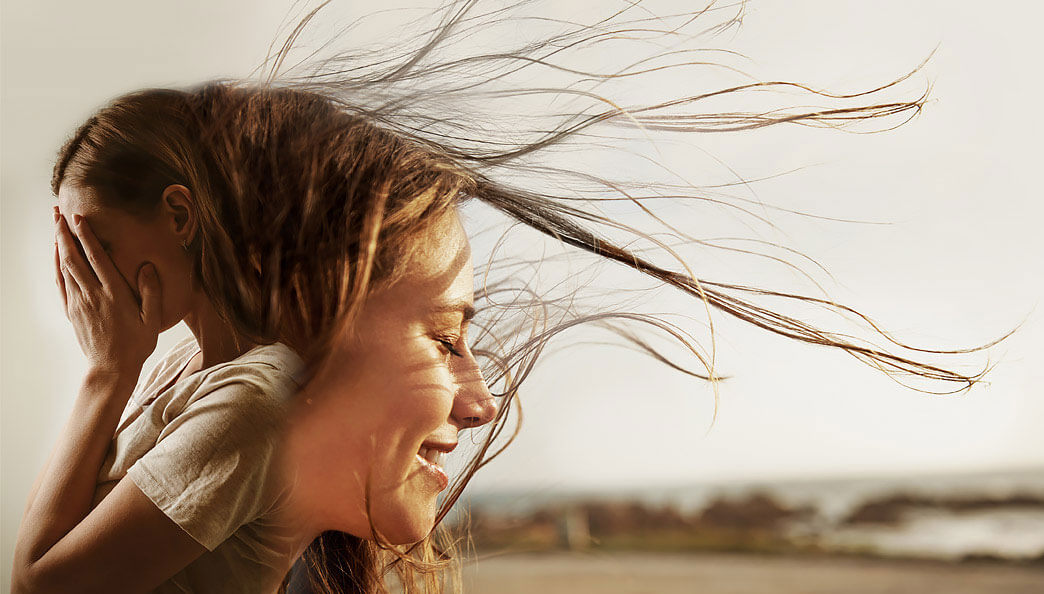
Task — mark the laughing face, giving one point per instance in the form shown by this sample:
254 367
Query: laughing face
378 418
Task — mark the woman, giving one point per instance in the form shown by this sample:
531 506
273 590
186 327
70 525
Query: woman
189 490
146 482
330 226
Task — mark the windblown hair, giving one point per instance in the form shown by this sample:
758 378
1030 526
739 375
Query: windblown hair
311 186
291 192
302 208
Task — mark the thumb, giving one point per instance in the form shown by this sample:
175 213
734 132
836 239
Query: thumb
149 288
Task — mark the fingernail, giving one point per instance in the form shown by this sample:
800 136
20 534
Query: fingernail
57 214
77 219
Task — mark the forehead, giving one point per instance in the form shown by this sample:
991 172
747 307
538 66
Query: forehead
444 238
440 266
75 200
111 225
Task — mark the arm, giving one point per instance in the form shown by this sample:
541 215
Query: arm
50 457
59 543
126 540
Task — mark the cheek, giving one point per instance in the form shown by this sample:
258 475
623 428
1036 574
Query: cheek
383 394
127 265
411 386
130 258
387 400
427 394
412 408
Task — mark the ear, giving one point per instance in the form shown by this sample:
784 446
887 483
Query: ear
178 207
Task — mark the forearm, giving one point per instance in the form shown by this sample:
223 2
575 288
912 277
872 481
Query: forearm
36 483
65 489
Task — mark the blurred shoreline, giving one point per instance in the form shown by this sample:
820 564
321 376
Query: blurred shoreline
982 517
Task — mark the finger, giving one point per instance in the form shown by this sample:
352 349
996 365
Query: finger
149 287
72 289
59 279
65 283
72 261
97 257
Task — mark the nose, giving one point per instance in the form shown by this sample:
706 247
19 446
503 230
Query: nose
473 405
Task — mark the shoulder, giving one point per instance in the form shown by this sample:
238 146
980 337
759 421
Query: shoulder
165 367
183 349
175 357
271 373
227 409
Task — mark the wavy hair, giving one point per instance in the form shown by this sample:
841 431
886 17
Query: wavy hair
314 180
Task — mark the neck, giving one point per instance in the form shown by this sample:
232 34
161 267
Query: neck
303 459
300 510
218 342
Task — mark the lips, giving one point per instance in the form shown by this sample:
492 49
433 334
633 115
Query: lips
431 456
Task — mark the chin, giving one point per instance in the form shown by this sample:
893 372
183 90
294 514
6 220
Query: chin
406 524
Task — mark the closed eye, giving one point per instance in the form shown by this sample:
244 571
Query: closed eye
448 345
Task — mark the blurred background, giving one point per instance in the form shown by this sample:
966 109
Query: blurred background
813 472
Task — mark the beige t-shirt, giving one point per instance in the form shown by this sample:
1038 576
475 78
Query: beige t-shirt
202 450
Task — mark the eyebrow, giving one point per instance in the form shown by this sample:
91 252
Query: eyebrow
463 307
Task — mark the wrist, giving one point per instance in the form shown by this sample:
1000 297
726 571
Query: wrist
101 399
111 381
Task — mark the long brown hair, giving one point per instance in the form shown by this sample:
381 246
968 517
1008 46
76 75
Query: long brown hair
313 185
284 184
424 94
302 207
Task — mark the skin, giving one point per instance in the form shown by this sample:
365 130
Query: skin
123 279
401 377
131 241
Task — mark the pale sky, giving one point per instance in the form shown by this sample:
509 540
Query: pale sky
958 264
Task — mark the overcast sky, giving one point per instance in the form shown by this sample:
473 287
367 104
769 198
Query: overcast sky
958 265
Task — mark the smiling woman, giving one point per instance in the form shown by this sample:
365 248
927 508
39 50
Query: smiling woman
393 394
369 276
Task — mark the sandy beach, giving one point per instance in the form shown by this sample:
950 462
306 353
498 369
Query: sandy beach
566 573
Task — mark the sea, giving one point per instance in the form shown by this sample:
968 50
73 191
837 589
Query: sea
999 530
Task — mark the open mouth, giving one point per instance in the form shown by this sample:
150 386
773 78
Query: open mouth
431 460
431 456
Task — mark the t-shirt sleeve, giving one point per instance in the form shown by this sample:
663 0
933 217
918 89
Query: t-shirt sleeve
213 469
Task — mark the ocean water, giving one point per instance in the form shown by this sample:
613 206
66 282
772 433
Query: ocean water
1006 533
922 531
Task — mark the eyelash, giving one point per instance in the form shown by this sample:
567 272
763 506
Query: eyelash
448 345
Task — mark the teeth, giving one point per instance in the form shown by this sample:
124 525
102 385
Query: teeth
432 456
